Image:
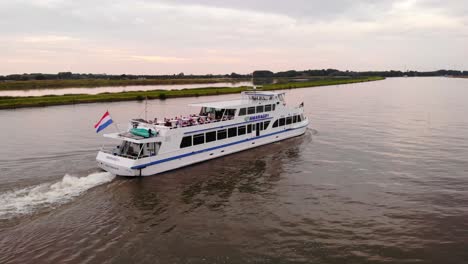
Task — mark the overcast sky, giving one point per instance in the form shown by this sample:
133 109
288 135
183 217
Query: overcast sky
220 36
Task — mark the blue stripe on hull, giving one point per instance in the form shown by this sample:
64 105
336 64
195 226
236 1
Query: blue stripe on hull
210 149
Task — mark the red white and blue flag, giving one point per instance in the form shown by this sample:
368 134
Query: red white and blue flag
105 121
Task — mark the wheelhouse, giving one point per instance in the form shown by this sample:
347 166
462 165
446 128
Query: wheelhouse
133 147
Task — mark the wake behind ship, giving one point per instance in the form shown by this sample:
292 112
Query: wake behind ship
219 129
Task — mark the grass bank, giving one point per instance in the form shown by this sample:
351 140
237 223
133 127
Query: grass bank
17 102
89 83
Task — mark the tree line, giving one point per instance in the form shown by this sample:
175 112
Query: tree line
338 73
255 74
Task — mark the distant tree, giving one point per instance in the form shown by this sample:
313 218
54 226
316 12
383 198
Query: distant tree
235 75
65 75
40 77
263 74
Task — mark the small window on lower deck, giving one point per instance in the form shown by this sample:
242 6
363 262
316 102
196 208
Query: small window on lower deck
265 125
288 120
275 124
282 121
249 128
299 118
186 142
294 119
232 132
210 136
198 139
222 134
241 130
242 111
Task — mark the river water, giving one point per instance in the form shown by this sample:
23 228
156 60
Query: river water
381 176
117 89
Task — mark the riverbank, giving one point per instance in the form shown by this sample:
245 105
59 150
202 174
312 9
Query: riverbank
90 83
18 102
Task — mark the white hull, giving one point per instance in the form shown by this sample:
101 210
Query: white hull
170 161
221 128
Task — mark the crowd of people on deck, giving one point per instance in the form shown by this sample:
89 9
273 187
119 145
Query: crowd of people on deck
191 120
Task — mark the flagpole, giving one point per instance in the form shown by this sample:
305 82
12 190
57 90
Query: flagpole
115 123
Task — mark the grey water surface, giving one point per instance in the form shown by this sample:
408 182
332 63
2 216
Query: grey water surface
381 176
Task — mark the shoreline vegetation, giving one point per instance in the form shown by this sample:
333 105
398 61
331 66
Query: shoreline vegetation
94 83
49 100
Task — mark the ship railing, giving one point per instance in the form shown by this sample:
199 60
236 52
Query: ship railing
114 152
187 121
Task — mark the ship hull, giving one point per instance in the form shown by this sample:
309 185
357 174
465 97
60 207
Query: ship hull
157 165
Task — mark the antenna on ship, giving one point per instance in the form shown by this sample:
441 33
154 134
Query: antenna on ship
146 108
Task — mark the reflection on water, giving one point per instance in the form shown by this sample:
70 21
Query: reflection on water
380 177
117 89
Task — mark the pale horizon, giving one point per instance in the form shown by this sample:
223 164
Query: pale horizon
220 37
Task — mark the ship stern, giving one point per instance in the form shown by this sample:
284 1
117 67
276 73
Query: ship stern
116 165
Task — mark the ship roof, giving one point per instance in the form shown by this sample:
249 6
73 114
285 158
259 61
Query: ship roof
222 104
246 100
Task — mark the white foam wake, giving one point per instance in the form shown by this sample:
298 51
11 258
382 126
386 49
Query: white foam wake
26 200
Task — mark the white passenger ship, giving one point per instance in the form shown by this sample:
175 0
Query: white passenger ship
220 128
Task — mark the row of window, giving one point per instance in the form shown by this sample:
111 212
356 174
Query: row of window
221 134
255 110
287 120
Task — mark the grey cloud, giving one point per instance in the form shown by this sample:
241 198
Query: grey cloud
286 33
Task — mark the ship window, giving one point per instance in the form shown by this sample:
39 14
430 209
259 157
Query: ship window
273 107
131 149
299 118
249 128
221 134
294 119
267 108
198 139
232 132
288 120
275 124
241 130
260 109
210 136
230 112
251 110
281 121
150 149
265 125
186 142
260 126
242 111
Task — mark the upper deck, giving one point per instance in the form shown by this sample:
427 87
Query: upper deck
212 114
248 98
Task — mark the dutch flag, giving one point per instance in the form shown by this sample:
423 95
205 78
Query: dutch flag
105 121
